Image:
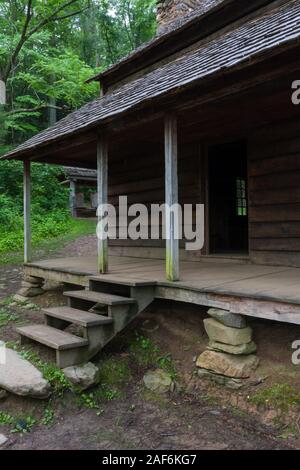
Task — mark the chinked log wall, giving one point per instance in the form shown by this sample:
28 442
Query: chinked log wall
274 194
141 178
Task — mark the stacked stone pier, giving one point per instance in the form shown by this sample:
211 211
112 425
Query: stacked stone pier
230 356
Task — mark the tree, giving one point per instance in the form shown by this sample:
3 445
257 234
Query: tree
48 48
29 17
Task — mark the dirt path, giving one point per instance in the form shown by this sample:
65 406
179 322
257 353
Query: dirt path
136 420
174 424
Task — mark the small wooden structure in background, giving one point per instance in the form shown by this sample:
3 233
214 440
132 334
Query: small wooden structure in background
82 177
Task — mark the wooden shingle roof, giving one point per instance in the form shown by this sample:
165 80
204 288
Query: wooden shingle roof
80 173
275 28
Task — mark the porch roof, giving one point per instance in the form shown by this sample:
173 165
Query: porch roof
273 31
80 173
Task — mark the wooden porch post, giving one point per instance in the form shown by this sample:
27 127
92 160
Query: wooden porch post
73 198
102 170
171 190
27 229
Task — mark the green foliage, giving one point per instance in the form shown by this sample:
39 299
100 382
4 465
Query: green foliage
87 400
19 424
147 354
6 418
45 80
280 396
7 317
144 351
23 425
114 375
45 77
48 415
75 229
50 216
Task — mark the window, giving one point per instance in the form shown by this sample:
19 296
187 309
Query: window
241 199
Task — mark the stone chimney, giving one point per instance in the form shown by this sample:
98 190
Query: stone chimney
170 10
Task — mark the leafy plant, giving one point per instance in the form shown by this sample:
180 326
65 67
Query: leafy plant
88 401
48 416
21 425
53 374
7 317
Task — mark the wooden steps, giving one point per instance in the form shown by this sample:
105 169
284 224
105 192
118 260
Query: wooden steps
115 313
99 297
77 317
121 281
51 337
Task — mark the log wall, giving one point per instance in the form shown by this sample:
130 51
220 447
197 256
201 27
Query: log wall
274 194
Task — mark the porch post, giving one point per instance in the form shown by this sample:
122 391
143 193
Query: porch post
73 198
27 229
102 170
171 190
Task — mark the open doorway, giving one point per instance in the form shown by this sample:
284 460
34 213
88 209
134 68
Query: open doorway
228 201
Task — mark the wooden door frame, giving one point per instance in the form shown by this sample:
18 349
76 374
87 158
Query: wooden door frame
206 183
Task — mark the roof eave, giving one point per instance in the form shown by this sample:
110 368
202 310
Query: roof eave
266 54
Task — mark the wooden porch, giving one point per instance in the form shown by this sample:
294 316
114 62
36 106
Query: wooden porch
270 292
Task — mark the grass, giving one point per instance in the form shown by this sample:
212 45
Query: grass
7 317
77 228
280 396
148 354
113 377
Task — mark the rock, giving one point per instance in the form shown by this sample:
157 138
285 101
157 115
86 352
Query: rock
158 381
241 349
233 384
51 285
150 326
31 306
82 376
3 394
226 364
3 439
225 334
19 298
34 280
29 284
30 291
227 318
20 377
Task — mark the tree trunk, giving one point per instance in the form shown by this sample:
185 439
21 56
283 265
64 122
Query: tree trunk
2 92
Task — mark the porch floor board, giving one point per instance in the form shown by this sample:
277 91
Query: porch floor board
272 283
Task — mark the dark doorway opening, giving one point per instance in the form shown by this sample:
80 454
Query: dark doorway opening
228 200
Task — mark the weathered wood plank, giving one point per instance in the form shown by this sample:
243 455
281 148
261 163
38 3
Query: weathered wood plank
73 199
171 188
275 229
27 198
102 184
278 311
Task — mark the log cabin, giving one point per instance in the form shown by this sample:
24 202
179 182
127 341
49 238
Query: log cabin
202 113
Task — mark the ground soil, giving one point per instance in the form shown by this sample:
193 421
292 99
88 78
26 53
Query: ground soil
202 415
